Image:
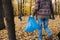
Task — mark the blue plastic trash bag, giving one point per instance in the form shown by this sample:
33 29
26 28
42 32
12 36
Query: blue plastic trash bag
31 25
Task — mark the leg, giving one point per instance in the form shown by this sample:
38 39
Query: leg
46 27
40 28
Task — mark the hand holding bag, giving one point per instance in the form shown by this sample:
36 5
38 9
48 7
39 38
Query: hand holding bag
31 25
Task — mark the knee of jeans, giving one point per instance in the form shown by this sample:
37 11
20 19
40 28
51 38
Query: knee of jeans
45 26
40 24
40 27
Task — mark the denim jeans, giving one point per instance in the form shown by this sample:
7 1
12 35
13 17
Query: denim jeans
45 23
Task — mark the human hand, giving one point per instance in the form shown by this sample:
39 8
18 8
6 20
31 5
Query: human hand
31 16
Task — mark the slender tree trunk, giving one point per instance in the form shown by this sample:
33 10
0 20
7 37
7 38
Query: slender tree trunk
55 7
2 26
30 6
23 7
9 19
19 7
59 8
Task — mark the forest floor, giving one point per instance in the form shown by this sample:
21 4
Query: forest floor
54 26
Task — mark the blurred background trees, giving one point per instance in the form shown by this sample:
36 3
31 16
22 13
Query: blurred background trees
56 6
25 6
17 7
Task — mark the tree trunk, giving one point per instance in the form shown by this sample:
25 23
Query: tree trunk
23 7
9 19
30 6
55 7
2 26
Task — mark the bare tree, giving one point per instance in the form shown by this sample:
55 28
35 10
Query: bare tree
30 6
2 26
55 7
59 7
8 9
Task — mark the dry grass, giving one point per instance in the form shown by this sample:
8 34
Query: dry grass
54 26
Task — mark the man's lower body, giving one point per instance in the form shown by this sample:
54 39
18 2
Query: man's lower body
45 23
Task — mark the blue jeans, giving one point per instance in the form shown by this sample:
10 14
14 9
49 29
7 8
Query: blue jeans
45 22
